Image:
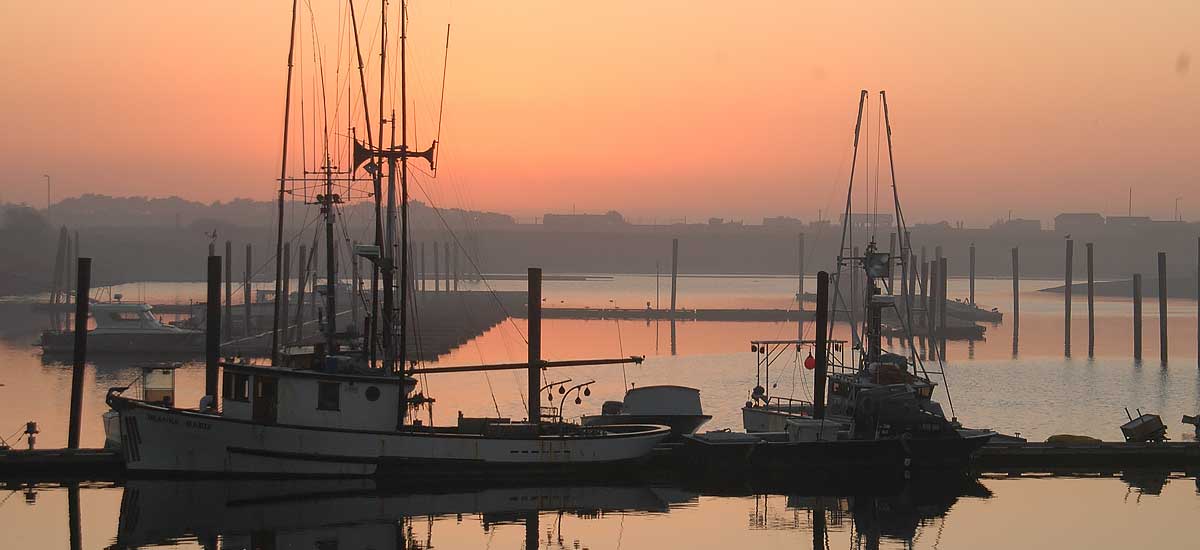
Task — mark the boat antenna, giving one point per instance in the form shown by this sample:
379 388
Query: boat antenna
287 105
385 253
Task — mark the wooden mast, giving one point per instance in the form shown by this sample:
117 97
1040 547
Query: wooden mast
281 301
403 285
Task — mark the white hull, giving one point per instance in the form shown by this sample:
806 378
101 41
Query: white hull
764 419
157 439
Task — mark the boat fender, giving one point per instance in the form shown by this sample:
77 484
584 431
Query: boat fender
905 439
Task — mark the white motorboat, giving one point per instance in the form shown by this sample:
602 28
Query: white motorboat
126 327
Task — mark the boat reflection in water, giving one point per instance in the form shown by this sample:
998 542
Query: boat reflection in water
347 514
359 514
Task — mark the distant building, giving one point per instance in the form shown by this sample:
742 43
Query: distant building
782 222
1082 221
865 220
1017 225
1127 221
584 222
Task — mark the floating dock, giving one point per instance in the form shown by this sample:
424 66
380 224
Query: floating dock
107 464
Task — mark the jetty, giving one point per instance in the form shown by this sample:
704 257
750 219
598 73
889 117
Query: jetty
1102 457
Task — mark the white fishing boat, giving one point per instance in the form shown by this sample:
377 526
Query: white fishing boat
341 406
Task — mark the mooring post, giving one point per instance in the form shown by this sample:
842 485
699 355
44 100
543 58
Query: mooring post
457 273
799 292
1091 289
437 278
1067 297
354 288
931 312
73 519
1137 316
83 288
446 249
301 283
1162 307
246 298
943 297
227 328
424 270
212 338
971 276
535 344
822 351
674 273
1198 301
283 300
1016 280
800 270
532 531
891 258
925 295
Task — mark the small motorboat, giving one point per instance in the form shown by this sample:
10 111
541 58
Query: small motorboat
675 406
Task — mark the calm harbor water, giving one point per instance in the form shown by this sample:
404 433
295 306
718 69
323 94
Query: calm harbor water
1027 385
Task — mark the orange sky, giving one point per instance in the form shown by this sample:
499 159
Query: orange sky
657 109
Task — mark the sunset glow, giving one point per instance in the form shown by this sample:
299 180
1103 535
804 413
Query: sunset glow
660 110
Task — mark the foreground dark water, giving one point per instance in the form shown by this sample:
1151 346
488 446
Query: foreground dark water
1028 384
1058 512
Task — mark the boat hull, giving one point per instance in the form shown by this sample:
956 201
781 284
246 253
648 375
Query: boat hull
849 457
156 439
190 342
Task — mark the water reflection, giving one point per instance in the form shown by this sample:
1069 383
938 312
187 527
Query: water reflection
359 514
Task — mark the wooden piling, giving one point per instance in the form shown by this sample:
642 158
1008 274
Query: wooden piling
353 289
800 272
1067 296
971 276
891 258
437 278
424 271
674 273
1137 316
212 330
925 294
534 337
1091 297
301 283
944 273
1016 280
283 300
83 286
446 255
931 310
454 271
822 351
246 297
1162 307
227 328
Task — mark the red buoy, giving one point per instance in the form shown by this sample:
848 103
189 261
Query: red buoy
809 362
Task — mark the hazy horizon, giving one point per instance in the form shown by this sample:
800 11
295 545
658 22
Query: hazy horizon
658 111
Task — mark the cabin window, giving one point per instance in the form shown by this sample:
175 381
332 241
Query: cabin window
235 387
372 393
126 316
328 396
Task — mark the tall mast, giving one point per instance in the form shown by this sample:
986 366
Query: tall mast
327 203
376 175
385 253
281 301
403 286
